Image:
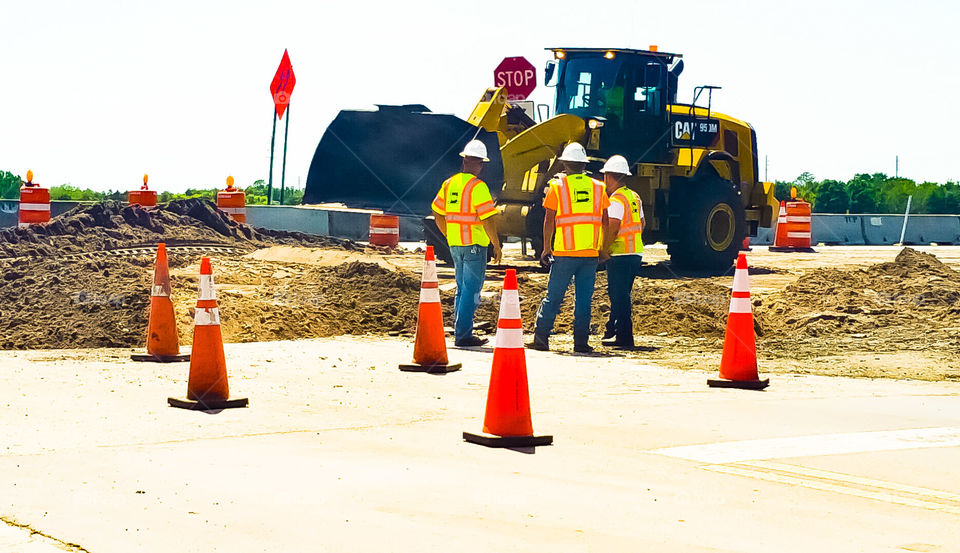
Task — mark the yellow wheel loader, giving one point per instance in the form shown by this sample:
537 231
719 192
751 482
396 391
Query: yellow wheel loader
695 169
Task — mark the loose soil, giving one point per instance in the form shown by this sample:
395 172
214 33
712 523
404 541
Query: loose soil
898 318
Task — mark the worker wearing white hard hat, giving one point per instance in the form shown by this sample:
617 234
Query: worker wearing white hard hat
475 149
623 246
575 208
465 214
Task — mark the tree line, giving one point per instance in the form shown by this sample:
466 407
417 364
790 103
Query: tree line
256 193
872 193
864 193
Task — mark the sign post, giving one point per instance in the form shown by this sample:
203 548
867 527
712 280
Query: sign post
280 89
518 76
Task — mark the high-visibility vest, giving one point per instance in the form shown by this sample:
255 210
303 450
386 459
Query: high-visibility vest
579 215
457 203
630 237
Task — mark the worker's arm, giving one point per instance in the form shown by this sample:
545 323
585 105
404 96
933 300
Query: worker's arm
490 226
549 225
441 222
611 228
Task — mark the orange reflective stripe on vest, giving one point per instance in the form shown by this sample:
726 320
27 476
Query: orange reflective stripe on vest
630 237
579 215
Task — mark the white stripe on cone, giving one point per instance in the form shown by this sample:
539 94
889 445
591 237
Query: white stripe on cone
159 290
34 207
510 305
740 305
378 230
798 218
23 225
429 295
207 316
234 210
207 291
741 281
510 338
798 235
429 272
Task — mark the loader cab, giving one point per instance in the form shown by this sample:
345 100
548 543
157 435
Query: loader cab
621 94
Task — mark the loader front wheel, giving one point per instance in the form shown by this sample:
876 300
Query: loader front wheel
709 225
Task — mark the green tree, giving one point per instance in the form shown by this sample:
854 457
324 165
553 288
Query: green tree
832 197
864 190
9 185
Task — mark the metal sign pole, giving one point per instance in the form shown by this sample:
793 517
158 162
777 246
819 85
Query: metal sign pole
283 170
273 138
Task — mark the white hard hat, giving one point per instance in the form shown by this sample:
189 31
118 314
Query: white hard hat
616 164
475 148
574 152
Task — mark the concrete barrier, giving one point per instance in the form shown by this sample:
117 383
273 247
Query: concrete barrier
881 229
837 229
932 229
354 224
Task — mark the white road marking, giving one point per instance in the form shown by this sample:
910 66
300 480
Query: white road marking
809 446
847 484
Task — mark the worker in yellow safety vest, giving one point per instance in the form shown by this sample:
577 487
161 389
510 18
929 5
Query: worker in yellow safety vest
623 242
464 213
576 212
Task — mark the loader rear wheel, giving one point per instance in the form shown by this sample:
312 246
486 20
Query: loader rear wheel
709 225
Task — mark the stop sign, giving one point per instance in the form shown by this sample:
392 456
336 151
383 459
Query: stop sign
517 76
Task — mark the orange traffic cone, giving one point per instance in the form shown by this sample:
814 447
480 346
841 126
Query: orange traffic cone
163 345
430 346
506 422
207 388
745 247
738 366
780 236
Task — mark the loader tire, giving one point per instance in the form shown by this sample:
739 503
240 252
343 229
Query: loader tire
708 225
439 242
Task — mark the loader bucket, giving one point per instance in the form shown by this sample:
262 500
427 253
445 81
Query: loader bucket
394 159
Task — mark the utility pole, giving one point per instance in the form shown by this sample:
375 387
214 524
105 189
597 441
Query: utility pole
766 168
896 171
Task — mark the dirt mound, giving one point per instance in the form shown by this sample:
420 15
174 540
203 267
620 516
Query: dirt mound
112 225
49 303
910 303
694 308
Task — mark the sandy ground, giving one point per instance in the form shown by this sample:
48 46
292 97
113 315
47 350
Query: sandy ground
340 451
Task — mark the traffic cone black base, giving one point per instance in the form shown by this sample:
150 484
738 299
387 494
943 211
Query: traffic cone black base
433 369
742 384
160 358
491 440
788 249
207 404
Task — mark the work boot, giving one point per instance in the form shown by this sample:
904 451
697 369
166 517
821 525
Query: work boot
583 348
539 344
471 341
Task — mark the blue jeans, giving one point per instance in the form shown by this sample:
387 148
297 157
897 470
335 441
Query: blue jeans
470 265
583 271
621 271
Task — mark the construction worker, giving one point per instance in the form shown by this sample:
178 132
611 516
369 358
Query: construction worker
576 212
464 213
623 242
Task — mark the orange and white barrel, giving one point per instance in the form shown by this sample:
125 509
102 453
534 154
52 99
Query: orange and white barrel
34 203
384 230
233 202
798 224
143 197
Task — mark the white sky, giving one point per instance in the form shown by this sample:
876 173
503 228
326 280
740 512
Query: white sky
98 92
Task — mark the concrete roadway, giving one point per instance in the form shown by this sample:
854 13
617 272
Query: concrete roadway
340 451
